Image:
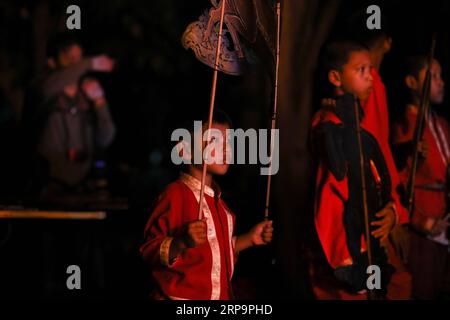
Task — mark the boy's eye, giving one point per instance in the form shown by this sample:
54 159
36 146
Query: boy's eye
215 140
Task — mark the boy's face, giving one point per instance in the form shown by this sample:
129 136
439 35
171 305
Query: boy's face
355 77
218 150
70 55
222 147
437 84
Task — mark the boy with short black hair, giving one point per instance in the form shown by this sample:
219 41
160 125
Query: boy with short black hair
192 258
339 212
428 259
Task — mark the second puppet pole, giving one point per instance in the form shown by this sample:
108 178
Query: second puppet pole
274 111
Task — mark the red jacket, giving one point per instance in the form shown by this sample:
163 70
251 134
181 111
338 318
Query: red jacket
430 171
331 195
200 273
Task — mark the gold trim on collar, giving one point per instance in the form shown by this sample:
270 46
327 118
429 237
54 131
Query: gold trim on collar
196 185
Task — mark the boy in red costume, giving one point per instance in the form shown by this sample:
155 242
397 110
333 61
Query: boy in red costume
429 259
192 258
339 209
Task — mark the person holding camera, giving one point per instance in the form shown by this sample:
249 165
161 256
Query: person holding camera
71 116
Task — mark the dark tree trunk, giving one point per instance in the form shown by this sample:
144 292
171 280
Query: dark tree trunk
305 28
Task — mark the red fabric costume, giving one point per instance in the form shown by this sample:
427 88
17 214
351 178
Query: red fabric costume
200 273
430 198
428 259
331 195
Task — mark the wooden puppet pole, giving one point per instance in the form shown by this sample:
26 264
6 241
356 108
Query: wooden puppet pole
420 124
370 293
211 109
275 110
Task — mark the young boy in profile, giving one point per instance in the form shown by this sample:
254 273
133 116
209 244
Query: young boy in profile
429 260
192 258
339 207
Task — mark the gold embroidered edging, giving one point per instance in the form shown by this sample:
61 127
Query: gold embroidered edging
232 243
194 185
164 251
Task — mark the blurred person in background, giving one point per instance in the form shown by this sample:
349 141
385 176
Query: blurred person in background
67 118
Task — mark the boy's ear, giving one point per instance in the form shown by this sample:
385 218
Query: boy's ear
387 44
411 82
335 78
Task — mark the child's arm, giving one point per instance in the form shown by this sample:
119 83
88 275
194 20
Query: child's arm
260 234
166 235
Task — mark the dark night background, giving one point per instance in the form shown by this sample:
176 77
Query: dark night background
155 77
